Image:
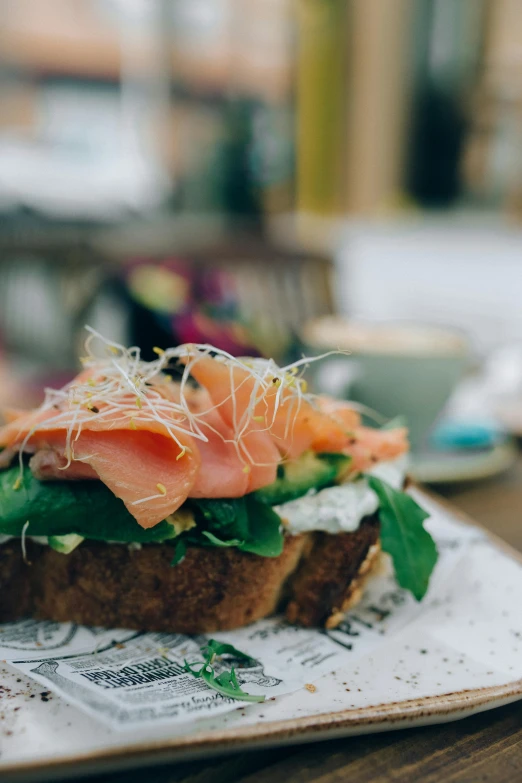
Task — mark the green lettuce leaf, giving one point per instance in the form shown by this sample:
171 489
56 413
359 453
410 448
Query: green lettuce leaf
404 537
265 529
60 508
245 523
226 518
180 552
218 542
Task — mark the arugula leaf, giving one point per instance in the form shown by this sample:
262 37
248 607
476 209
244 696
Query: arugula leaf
225 683
228 679
403 536
189 668
222 648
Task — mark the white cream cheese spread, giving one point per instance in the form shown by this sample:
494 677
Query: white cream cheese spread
340 509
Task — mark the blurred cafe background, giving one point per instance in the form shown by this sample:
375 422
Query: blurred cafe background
274 177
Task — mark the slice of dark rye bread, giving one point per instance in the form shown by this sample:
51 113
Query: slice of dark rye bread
316 578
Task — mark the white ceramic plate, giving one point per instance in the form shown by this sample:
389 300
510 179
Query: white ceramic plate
462 656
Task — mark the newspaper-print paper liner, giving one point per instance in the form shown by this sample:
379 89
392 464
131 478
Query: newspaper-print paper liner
128 680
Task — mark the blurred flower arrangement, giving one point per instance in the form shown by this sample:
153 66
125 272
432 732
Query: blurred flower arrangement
176 301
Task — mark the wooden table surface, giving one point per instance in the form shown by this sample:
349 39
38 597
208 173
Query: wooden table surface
487 747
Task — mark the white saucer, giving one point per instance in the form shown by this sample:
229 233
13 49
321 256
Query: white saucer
453 467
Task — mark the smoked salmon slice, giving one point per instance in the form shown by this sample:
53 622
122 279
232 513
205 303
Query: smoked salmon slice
155 442
143 469
365 445
230 468
292 422
369 446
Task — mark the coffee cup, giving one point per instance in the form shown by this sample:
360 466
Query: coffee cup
394 367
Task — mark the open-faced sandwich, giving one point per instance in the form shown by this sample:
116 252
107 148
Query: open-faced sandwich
198 492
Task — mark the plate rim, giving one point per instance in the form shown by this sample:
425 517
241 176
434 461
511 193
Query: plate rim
388 715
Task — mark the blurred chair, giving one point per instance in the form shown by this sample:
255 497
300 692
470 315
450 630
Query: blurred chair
273 290
277 292
53 281
49 278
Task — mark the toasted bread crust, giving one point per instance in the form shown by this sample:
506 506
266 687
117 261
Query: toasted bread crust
16 595
323 580
210 590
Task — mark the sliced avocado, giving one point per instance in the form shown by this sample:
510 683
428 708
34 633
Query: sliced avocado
296 478
85 508
65 544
